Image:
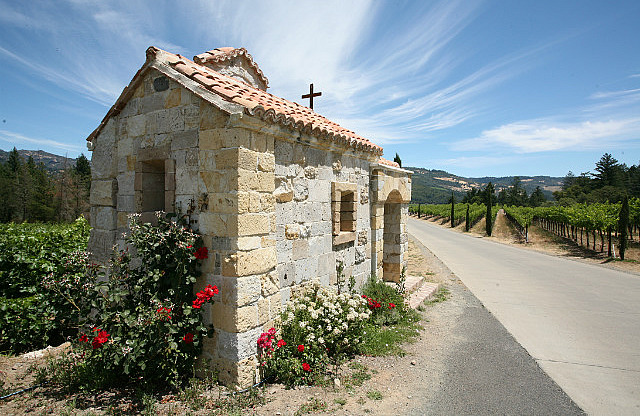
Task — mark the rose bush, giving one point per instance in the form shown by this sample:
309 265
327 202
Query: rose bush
146 323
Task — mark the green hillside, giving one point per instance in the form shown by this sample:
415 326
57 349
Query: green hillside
434 186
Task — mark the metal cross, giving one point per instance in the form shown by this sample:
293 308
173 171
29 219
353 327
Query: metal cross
311 95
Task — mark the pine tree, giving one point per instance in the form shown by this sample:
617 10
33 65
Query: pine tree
489 202
453 210
467 226
397 160
623 226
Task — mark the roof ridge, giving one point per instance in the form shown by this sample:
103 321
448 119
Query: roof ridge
226 53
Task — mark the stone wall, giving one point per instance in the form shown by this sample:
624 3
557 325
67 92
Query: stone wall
307 250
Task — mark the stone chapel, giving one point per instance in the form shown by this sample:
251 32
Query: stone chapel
279 193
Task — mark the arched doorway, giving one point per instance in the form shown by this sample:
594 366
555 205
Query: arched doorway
392 253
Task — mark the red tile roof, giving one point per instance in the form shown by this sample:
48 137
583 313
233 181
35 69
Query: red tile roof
384 161
220 55
256 102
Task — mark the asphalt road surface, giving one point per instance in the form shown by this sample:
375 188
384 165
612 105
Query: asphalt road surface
580 322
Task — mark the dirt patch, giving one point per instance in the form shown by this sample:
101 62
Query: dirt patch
386 392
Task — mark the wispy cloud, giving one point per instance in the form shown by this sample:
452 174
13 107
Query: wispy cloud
472 162
19 140
544 135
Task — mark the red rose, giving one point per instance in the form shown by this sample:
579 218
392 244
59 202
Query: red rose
306 367
100 339
202 253
84 338
300 348
197 303
392 305
188 338
281 343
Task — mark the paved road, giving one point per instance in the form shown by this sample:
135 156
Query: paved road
580 322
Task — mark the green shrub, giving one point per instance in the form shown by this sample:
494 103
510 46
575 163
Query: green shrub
29 252
317 328
32 257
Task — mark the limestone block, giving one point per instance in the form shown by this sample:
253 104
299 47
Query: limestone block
101 243
132 108
169 120
103 163
283 249
327 263
191 115
283 152
266 182
284 196
215 224
211 139
210 116
126 203
103 192
300 190
263 311
300 249
319 191
268 202
153 102
174 98
275 305
306 269
270 283
248 159
104 217
286 274
320 228
184 139
245 263
285 296
186 181
266 162
226 203
317 247
254 224
227 158
247 243
136 125
238 346
360 255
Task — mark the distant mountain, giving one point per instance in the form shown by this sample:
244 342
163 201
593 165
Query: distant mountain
52 163
435 186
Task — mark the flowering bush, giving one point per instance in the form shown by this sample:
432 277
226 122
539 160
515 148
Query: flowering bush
147 323
317 327
385 302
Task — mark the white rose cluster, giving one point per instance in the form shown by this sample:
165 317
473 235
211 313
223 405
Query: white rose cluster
320 317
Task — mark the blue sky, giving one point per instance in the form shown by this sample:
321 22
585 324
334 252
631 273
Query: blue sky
477 88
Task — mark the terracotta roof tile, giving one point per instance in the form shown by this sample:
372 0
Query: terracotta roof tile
222 54
267 106
384 161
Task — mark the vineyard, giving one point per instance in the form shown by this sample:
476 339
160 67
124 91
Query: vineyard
476 212
582 223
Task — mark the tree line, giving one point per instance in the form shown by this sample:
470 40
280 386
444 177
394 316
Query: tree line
31 193
610 182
